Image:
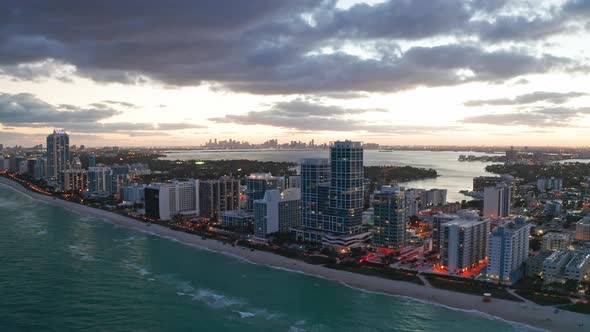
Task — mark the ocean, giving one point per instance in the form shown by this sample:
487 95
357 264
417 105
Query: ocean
64 272
453 174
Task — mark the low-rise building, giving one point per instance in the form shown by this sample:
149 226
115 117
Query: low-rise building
534 265
240 220
578 267
556 241
583 229
554 266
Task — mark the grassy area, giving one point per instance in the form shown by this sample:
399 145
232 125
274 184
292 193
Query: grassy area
379 272
471 287
582 308
542 299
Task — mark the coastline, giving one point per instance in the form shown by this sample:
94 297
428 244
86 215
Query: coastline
514 312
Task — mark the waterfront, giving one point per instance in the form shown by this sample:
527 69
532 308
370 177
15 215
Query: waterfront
453 174
62 271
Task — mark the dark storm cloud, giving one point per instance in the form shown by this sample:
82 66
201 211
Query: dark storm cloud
269 46
25 110
542 117
529 98
418 66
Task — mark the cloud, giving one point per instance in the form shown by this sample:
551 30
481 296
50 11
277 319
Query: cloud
273 46
26 110
540 117
529 98
305 116
120 103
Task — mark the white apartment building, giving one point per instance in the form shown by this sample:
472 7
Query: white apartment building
508 250
465 244
556 241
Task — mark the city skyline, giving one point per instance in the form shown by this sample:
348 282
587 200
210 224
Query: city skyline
389 72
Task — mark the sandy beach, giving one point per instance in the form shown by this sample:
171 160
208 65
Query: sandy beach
525 313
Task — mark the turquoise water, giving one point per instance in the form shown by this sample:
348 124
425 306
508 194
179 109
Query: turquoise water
453 174
62 272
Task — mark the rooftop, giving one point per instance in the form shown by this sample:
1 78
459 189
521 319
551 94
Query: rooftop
578 260
238 214
556 235
465 222
585 221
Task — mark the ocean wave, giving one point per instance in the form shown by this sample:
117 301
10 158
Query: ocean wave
469 311
79 252
244 314
141 270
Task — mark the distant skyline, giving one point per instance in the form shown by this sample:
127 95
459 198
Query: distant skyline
422 72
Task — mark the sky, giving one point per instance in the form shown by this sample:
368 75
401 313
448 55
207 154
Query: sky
398 72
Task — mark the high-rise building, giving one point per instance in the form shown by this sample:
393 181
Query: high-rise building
75 180
92 160
465 244
216 196
258 183
134 193
481 182
438 220
508 250
346 187
496 202
165 201
315 175
58 153
389 218
99 179
119 178
40 168
332 197
277 212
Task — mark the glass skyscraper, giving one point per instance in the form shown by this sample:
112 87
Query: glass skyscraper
258 183
346 187
390 218
58 154
332 193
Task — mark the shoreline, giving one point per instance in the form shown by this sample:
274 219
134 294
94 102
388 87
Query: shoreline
522 313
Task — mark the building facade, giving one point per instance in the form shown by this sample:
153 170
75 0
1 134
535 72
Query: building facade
58 153
497 201
258 183
555 241
277 212
583 229
508 250
389 218
99 179
216 196
165 201
465 244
